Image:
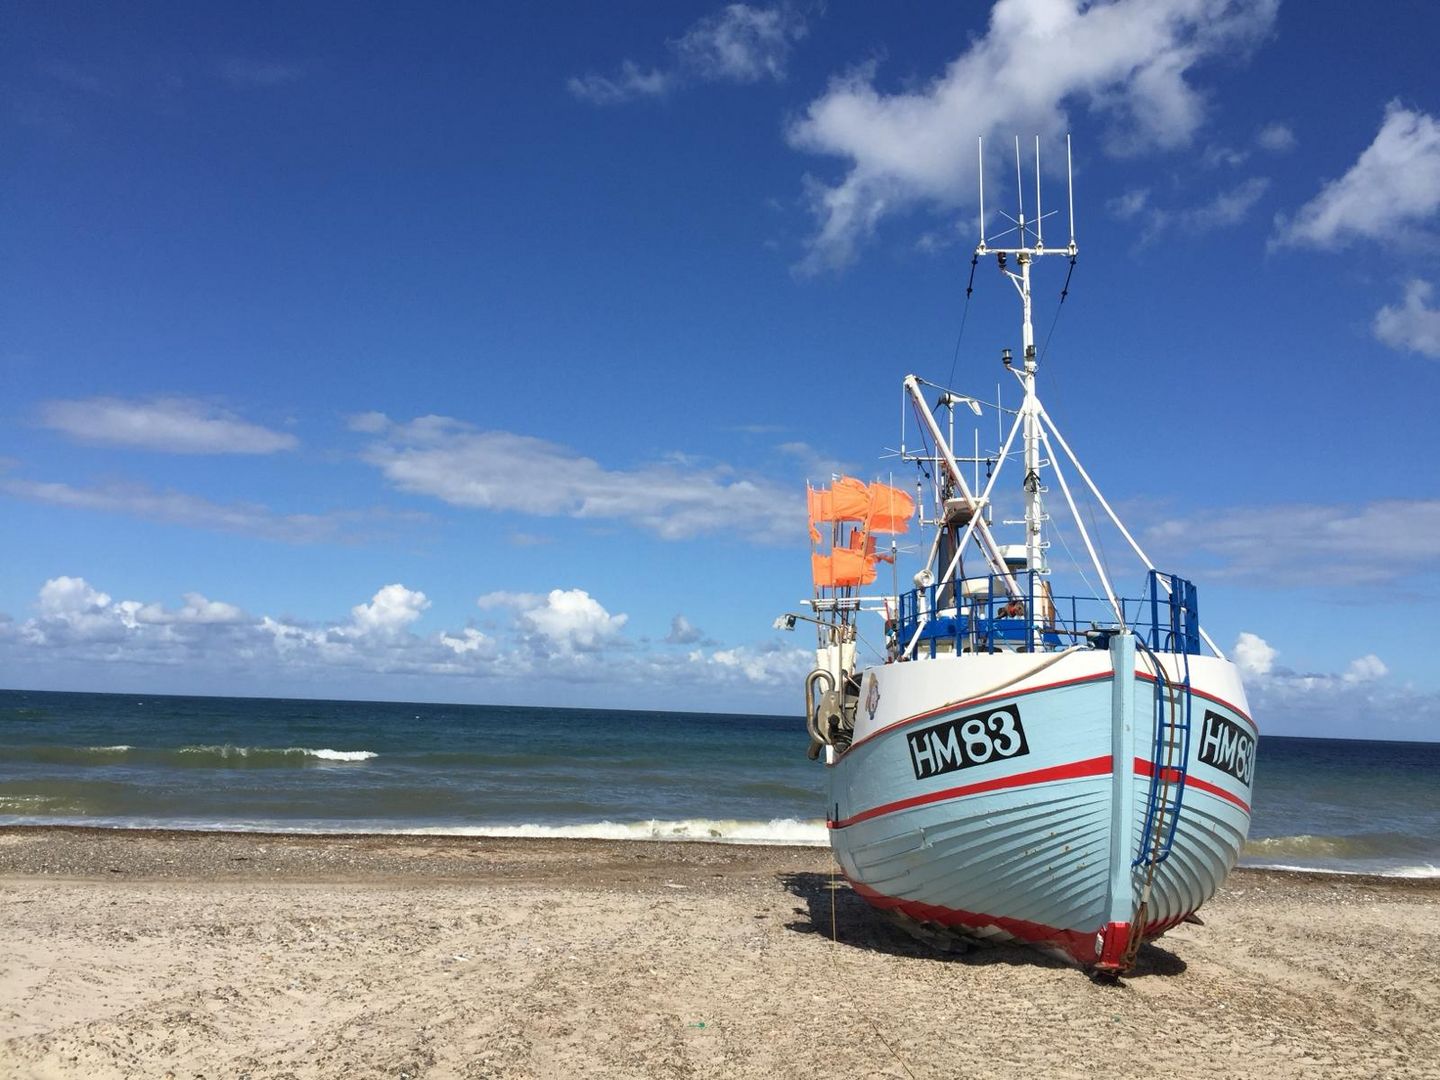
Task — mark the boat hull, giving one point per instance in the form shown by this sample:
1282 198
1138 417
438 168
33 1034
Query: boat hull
1006 795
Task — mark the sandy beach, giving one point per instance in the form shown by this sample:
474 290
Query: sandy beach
155 954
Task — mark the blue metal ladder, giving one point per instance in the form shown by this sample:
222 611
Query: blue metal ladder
1169 754
1170 749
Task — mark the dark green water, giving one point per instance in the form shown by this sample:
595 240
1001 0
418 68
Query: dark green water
254 763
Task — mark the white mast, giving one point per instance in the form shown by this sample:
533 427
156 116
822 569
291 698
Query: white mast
1029 248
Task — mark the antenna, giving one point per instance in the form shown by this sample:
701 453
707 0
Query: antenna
1070 183
1039 214
1020 235
1020 191
980 140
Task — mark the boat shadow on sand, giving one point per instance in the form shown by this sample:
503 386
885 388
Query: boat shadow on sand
860 926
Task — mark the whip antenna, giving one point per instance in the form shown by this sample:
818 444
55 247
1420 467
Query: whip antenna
1039 214
980 141
1020 191
1070 185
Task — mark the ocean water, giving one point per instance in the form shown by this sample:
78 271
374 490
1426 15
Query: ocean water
350 766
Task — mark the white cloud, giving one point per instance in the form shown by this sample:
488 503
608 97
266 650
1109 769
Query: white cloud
1277 138
1129 204
172 425
63 597
76 624
1226 208
683 632
500 470
1128 59
1218 155
178 508
389 611
739 43
1334 546
1414 325
817 464
468 640
1253 655
370 423
1392 189
1223 210
197 610
562 622
628 84
773 664
1361 701
74 616
1366 668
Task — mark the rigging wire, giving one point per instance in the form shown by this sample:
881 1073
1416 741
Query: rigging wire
1074 562
924 442
1064 292
964 316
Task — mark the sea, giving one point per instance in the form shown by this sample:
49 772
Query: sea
269 764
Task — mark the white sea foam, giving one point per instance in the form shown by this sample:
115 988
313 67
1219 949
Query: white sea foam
323 754
1424 870
340 755
713 830
707 830
121 749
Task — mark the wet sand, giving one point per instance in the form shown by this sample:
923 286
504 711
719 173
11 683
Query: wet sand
155 954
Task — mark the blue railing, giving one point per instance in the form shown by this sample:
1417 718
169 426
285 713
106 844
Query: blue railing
979 615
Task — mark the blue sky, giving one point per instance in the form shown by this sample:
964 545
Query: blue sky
482 353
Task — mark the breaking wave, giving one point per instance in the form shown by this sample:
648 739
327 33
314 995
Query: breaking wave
779 831
1388 854
722 830
216 756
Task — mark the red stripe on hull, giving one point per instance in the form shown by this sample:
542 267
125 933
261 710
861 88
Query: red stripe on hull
1146 769
1101 948
1096 766
1080 945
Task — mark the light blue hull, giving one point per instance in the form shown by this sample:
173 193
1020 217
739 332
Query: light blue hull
1044 845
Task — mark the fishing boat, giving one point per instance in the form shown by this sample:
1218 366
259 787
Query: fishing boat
1069 771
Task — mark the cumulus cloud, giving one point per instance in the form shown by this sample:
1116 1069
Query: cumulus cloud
563 621
1392 189
193 511
1253 655
389 611
740 43
74 622
171 425
1365 669
501 470
1362 699
74 616
683 632
1129 60
1413 325
1334 546
773 663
